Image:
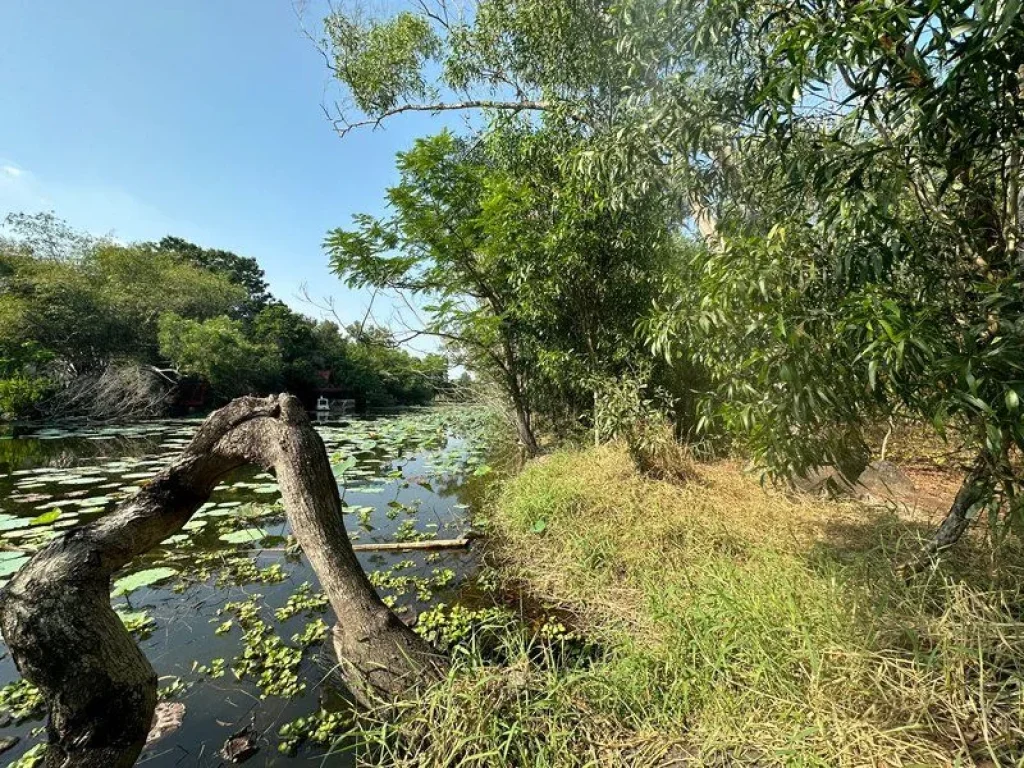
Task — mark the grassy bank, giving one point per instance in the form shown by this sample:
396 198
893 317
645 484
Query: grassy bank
725 625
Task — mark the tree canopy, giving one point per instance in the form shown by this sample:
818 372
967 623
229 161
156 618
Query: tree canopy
535 283
79 315
837 184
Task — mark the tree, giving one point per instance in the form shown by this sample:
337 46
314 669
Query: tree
81 331
530 279
849 173
436 233
868 248
564 179
103 304
294 338
243 271
45 236
563 64
396 375
218 351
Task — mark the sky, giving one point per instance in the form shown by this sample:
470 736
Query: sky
195 118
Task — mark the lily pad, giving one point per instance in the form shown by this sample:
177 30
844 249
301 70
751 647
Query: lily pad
343 466
47 518
94 501
11 562
244 536
11 522
146 578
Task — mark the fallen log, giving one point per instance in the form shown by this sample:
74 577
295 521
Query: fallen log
399 546
65 638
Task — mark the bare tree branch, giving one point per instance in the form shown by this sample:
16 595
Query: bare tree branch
343 127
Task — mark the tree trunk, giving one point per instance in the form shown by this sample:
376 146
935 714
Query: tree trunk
520 408
521 414
525 432
976 487
66 639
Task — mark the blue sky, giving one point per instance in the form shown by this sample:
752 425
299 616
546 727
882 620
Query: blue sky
194 118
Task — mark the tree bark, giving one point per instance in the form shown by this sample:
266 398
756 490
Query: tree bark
976 487
525 432
66 639
521 414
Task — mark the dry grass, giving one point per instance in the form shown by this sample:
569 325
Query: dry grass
739 627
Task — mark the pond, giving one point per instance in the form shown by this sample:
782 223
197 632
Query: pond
228 611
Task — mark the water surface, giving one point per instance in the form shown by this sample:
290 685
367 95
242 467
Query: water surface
209 622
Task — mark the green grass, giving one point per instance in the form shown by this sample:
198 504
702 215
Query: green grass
735 626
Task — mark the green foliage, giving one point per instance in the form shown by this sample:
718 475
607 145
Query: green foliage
399 585
73 307
322 728
382 374
139 623
302 600
46 237
122 290
218 351
46 518
242 271
633 410
22 383
529 279
19 394
265 656
446 626
32 758
382 61
536 55
206 312
844 181
21 699
865 257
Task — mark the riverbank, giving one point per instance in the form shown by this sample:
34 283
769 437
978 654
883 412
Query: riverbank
724 625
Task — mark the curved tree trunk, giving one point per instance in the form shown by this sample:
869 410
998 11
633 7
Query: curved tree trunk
66 639
976 487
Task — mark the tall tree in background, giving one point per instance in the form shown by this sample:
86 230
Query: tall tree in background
243 271
95 329
104 305
46 237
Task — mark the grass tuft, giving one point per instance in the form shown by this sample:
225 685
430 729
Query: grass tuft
737 626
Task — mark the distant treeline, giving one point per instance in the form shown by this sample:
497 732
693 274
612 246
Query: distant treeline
91 327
